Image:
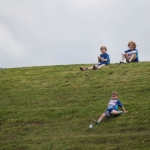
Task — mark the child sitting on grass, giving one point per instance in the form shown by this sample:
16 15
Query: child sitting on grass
131 54
103 60
112 108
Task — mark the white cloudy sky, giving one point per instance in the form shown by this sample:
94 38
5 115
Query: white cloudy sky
52 32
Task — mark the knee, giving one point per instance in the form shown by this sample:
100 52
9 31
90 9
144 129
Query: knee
123 54
126 55
114 112
134 54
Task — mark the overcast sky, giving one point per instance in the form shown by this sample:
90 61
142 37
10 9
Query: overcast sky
54 32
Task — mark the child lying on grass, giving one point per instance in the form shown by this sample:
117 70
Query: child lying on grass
112 108
103 60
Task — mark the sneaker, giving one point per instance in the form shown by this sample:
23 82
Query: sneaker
94 67
120 112
96 122
121 62
81 68
128 61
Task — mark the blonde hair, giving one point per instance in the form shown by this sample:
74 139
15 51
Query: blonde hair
103 47
114 93
133 43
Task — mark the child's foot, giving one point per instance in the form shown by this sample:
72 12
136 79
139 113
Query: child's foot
94 67
128 61
96 122
121 62
83 69
120 112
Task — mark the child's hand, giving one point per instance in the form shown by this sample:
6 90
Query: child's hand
100 58
125 111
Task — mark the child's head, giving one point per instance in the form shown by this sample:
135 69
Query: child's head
103 49
132 45
114 95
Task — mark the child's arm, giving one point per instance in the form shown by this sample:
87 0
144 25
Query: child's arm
103 59
124 109
132 52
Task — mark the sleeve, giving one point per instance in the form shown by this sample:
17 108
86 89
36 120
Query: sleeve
119 103
133 52
107 57
129 52
124 52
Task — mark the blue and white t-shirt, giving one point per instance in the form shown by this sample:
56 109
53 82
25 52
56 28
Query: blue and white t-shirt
130 52
105 56
113 104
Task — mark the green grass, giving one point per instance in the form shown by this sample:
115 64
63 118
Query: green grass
51 108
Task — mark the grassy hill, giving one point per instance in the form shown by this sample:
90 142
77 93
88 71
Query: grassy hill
51 108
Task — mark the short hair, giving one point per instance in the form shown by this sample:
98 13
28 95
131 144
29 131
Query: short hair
114 93
133 43
103 47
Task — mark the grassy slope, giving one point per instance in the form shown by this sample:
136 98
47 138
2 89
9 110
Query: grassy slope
51 107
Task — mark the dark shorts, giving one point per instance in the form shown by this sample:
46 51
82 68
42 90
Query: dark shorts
107 113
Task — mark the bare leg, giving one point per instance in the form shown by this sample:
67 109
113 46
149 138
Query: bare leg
122 58
84 69
101 117
90 67
127 57
133 56
98 67
115 112
101 66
